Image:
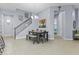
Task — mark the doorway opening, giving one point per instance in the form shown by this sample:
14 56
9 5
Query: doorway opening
58 24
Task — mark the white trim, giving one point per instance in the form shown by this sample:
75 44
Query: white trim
67 39
20 37
51 38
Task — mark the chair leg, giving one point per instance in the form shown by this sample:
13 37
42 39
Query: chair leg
42 40
34 40
1 51
38 42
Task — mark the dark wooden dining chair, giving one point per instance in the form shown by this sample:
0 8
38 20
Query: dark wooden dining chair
42 37
33 36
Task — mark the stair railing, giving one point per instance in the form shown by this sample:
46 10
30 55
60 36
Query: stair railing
22 26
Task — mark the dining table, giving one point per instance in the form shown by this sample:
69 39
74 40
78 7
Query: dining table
38 33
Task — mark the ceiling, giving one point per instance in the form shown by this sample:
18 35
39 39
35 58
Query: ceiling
31 7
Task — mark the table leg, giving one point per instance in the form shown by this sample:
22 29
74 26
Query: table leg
37 38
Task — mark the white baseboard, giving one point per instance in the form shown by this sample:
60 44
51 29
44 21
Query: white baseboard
21 37
51 38
67 39
6 36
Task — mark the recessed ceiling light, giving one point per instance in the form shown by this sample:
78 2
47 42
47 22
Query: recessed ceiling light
8 20
32 17
36 17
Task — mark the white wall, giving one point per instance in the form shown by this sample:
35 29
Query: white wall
0 24
60 18
68 23
8 29
47 14
78 19
65 22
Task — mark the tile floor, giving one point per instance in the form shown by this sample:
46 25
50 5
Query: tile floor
58 46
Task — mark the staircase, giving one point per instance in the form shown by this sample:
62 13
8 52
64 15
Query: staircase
22 26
